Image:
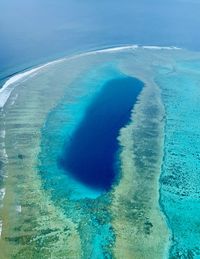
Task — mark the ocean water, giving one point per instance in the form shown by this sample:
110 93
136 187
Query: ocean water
106 89
180 172
146 202
139 197
90 156
88 169
76 109
34 32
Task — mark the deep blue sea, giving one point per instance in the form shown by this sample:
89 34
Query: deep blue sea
34 31
94 165
83 131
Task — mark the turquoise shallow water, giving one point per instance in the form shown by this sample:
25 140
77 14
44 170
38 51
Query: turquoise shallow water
90 154
61 125
45 209
180 179
68 191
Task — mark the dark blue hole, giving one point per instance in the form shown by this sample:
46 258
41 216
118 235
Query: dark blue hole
90 155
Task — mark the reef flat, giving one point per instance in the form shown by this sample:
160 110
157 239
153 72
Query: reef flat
150 209
180 178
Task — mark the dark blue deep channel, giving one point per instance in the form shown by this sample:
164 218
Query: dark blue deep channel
90 155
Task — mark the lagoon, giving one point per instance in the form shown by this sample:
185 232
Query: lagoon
90 155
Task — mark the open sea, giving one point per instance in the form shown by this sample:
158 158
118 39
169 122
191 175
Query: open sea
34 32
99 129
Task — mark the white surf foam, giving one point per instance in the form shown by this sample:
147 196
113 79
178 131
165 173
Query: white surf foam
2 133
9 85
14 99
160 47
1 225
19 208
105 50
116 49
3 154
2 193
